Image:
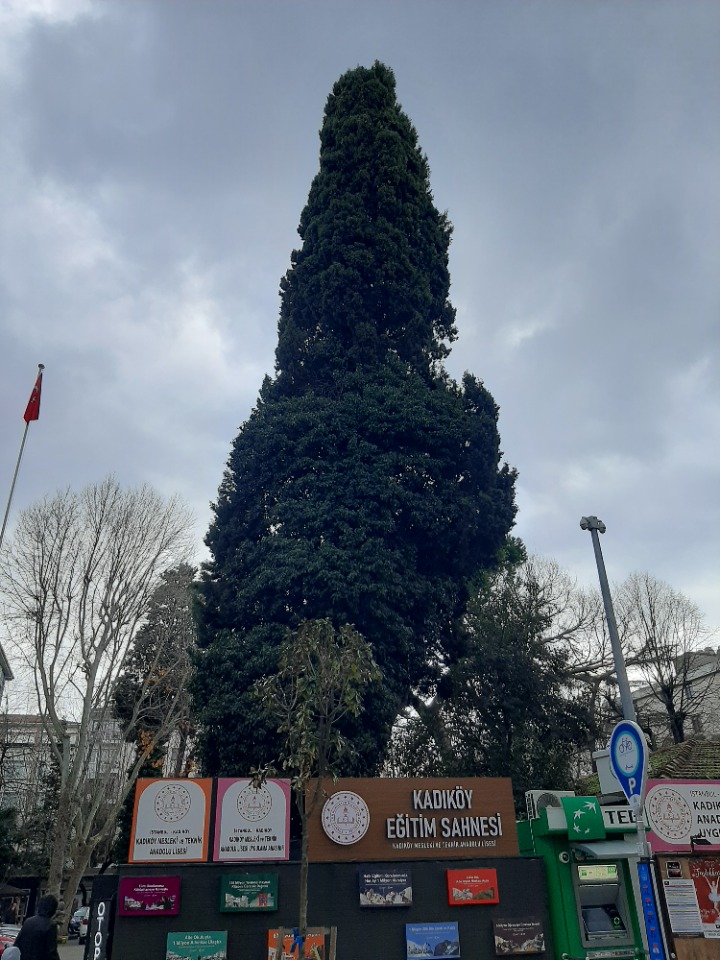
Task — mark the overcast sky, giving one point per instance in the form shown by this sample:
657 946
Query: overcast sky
154 161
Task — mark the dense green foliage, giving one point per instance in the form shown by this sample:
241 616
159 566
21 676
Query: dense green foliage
506 708
366 487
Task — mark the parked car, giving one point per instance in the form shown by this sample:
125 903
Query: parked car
82 913
83 929
8 933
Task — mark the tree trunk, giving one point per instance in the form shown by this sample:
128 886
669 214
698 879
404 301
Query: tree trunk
58 854
303 867
73 882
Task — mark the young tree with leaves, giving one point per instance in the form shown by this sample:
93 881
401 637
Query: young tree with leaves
367 486
76 581
322 677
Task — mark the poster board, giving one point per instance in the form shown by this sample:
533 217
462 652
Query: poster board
431 940
205 945
252 823
314 948
518 938
149 896
705 875
385 887
171 821
242 892
472 887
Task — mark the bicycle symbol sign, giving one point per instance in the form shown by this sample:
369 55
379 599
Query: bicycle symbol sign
627 758
627 755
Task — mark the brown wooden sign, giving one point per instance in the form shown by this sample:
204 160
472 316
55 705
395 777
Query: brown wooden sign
412 819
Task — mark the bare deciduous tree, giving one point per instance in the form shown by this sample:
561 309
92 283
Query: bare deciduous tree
76 581
666 631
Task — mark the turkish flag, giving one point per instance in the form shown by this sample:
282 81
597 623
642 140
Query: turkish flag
32 411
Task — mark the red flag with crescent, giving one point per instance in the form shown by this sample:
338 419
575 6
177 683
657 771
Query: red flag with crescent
32 411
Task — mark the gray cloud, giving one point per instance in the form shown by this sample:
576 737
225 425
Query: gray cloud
155 161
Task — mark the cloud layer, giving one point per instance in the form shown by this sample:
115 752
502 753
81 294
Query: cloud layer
156 158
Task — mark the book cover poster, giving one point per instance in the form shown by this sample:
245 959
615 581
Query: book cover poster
706 877
248 891
432 940
518 937
314 946
252 823
197 945
470 887
149 896
385 888
171 820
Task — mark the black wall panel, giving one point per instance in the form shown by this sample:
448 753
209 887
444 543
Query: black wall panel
363 933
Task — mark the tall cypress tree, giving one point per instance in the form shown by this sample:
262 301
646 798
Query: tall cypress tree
366 486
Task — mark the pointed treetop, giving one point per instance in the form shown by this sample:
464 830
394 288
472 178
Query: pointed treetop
371 278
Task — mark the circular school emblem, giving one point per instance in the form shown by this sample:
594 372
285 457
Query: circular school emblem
345 817
172 802
254 804
669 814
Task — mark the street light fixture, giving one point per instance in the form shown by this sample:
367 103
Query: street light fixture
595 527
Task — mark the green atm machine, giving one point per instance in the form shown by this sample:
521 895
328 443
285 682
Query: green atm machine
591 863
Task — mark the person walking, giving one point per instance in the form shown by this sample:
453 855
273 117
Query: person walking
37 939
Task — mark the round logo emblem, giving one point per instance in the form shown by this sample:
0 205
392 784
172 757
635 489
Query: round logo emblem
669 814
345 817
254 804
172 802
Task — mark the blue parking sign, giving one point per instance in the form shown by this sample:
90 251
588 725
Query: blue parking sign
628 759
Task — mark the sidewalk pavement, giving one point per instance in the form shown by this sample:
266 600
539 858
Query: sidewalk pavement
71 950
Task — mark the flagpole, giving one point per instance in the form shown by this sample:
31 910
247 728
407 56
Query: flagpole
41 367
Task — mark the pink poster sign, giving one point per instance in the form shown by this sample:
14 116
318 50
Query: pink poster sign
680 810
252 823
149 896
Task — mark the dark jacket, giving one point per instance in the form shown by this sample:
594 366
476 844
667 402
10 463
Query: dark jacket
37 939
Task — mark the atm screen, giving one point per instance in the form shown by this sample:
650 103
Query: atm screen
603 919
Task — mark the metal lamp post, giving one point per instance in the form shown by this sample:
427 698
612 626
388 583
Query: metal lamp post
595 527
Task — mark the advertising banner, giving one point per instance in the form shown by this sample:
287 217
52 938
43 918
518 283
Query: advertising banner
252 823
518 937
432 940
705 875
248 891
314 948
385 888
171 821
677 810
197 945
468 887
407 818
149 896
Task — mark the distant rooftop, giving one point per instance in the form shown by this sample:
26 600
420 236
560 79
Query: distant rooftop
695 759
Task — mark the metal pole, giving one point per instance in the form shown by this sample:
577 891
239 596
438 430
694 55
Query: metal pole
596 526
12 485
41 367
